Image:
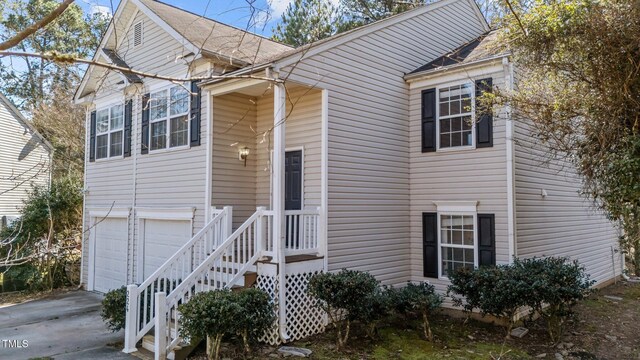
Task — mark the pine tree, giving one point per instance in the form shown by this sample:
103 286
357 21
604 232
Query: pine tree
305 21
355 13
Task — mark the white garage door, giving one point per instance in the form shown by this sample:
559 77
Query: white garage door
162 238
110 261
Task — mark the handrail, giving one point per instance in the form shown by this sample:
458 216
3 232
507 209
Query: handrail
221 269
141 312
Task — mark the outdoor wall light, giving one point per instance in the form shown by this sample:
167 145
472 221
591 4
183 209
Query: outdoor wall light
243 154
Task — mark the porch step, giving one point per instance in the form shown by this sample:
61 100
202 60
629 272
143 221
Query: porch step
246 281
292 258
180 352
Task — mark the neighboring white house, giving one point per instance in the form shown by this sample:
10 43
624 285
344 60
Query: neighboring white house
25 157
358 151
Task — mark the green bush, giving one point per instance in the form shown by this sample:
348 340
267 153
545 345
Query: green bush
256 317
547 286
373 308
418 298
499 291
210 315
342 295
556 285
114 309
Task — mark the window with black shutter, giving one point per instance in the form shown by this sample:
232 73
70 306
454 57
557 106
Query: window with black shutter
484 115
195 113
486 239
428 127
92 137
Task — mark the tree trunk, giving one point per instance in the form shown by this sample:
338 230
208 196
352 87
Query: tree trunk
427 329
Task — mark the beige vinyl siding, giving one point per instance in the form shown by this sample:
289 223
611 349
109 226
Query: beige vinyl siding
563 223
368 132
457 175
24 161
234 117
163 180
303 131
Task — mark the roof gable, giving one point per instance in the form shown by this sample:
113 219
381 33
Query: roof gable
17 115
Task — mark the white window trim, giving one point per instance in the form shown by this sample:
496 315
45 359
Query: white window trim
473 116
168 123
457 208
108 107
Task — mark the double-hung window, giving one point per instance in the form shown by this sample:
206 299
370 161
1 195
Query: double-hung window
457 242
109 132
169 118
455 117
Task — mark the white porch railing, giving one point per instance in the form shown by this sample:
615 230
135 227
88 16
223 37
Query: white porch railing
301 231
222 269
140 299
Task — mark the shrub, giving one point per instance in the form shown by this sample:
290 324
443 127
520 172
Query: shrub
341 295
556 285
418 298
257 314
547 286
373 308
498 291
114 309
211 315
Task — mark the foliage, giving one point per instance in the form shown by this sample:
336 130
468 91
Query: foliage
495 290
114 306
578 84
373 308
342 294
355 13
48 234
33 81
256 317
418 298
555 286
549 286
304 22
212 315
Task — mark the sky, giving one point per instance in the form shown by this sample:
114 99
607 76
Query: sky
232 12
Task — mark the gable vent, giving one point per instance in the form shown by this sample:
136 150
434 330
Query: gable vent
137 34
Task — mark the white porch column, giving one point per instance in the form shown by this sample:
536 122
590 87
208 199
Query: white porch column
277 168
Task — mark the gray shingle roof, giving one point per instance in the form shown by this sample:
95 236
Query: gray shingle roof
483 47
216 38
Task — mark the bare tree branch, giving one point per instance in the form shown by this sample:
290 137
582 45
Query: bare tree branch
15 40
69 59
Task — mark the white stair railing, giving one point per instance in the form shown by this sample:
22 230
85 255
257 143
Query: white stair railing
222 269
141 310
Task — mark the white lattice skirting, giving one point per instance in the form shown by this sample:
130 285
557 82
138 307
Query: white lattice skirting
303 317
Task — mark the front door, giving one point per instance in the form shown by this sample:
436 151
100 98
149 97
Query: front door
293 195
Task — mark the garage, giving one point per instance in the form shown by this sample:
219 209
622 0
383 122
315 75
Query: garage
110 259
162 238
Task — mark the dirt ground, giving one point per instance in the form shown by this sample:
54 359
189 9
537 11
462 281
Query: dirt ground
603 328
17 297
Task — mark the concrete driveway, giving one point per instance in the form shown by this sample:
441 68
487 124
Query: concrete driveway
65 326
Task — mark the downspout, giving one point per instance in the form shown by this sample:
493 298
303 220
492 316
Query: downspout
134 153
511 202
84 199
208 157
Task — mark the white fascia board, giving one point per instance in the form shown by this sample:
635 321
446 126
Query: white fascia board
447 75
106 212
183 213
171 31
456 206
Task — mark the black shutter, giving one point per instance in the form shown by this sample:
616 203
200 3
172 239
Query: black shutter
430 244
144 149
92 138
486 239
429 120
128 114
196 110
484 123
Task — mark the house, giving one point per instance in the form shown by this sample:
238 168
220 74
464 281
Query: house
25 158
357 151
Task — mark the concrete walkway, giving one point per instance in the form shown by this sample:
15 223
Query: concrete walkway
66 326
